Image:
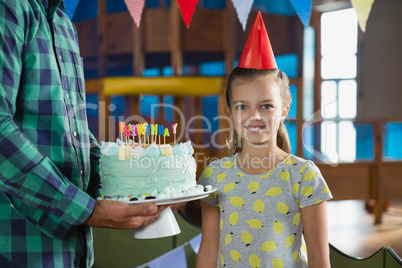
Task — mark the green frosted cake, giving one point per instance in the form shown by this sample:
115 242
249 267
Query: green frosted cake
131 172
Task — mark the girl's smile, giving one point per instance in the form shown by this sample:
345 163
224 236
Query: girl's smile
254 128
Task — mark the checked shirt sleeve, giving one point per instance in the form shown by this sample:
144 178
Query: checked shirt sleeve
94 177
31 181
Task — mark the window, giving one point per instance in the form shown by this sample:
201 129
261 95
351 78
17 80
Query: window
339 86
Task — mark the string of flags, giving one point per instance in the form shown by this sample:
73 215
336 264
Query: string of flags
242 7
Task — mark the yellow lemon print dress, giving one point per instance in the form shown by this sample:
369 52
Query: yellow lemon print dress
260 219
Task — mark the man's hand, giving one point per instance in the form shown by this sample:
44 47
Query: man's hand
121 215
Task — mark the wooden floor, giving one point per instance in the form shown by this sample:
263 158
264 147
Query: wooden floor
352 229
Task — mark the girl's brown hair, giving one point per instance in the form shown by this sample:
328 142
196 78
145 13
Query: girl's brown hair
241 74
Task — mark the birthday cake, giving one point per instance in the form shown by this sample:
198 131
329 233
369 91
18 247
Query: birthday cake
132 171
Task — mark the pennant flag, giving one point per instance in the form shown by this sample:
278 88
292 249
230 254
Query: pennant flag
243 8
257 53
70 7
195 243
187 8
303 10
363 9
174 258
135 8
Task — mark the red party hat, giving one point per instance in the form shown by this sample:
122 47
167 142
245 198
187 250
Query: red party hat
257 52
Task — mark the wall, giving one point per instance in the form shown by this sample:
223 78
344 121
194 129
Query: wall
380 71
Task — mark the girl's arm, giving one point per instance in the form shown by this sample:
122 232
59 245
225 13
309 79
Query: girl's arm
316 235
209 248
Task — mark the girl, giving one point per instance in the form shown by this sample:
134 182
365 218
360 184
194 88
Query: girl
266 197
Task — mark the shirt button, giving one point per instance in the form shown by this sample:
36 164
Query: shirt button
59 57
67 96
81 172
75 134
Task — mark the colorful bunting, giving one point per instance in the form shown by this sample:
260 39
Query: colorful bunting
243 8
303 10
135 8
363 9
187 8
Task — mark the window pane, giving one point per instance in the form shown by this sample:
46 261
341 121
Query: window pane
329 140
339 32
308 141
288 64
293 104
338 66
347 142
364 141
347 99
308 71
393 141
328 100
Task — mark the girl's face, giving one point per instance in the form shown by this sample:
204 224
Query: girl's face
256 110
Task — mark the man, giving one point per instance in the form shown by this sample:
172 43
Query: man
48 157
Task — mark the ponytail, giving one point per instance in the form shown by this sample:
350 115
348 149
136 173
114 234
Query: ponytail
282 138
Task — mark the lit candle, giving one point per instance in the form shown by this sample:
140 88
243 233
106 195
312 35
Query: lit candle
122 125
133 132
137 128
144 131
160 132
127 132
148 132
153 128
174 128
130 128
165 133
156 132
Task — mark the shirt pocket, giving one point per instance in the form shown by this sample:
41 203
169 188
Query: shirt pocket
79 80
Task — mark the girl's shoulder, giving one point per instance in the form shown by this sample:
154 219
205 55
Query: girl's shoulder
217 170
298 165
299 160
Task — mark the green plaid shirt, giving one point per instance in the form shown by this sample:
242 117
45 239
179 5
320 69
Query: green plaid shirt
48 157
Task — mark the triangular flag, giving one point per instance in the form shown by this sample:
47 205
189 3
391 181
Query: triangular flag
257 53
243 8
187 8
195 243
174 258
303 10
70 7
363 9
135 8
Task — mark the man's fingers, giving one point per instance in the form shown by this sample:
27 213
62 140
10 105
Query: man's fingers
142 209
138 220
120 215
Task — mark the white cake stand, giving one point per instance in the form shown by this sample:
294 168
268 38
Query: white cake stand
165 224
